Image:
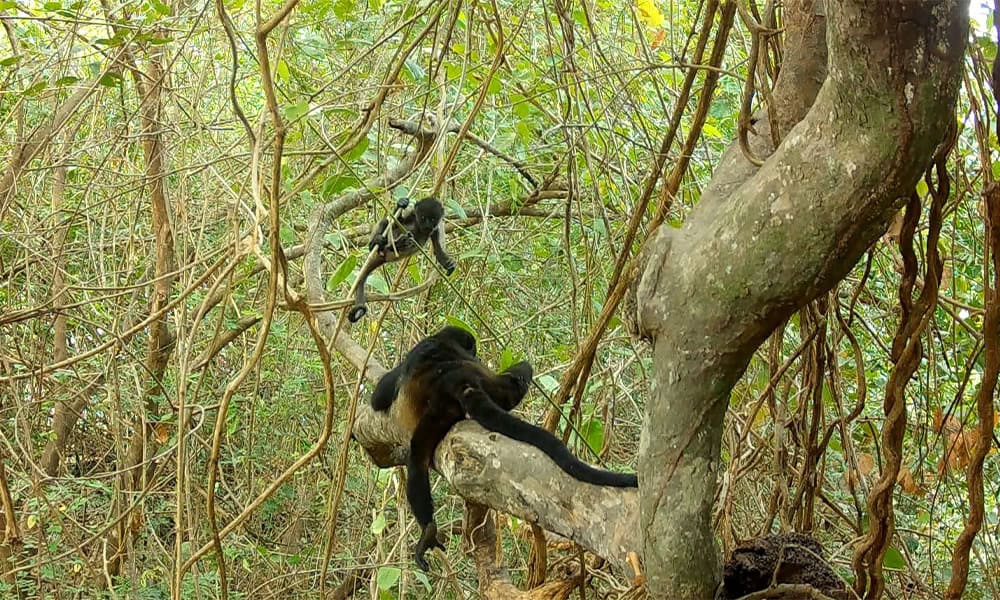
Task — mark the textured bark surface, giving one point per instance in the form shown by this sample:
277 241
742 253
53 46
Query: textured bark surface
770 240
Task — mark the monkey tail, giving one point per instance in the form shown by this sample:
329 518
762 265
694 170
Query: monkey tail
481 407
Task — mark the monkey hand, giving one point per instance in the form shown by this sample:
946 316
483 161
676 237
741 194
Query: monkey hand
449 268
402 203
428 541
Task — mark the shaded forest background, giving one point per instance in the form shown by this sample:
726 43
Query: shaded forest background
163 379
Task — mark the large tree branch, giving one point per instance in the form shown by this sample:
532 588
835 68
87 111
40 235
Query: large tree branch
712 291
485 468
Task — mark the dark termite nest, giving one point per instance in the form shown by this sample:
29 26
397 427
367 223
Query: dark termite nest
788 558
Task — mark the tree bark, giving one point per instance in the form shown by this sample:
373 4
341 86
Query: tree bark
758 249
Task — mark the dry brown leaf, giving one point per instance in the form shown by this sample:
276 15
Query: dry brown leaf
866 463
161 432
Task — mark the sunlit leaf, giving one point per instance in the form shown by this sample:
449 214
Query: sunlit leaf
295 111
649 13
893 559
387 577
457 322
342 272
378 525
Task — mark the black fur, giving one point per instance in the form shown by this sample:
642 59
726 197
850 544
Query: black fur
412 227
442 381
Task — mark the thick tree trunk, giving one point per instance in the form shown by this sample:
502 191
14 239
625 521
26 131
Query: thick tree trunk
759 248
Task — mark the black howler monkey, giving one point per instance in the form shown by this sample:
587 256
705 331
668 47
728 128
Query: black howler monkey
442 382
410 230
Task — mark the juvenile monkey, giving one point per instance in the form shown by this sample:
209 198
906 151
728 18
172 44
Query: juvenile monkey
399 239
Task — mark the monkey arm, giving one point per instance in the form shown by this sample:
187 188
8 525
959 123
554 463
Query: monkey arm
508 388
375 260
437 240
378 239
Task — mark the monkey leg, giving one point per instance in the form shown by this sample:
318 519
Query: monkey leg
429 431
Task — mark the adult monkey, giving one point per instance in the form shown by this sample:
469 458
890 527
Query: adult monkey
410 229
441 382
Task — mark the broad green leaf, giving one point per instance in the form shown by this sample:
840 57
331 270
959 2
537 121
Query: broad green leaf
111 80
457 208
338 183
282 70
295 111
35 89
495 85
548 383
358 150
414 69
6 4
342 272
453 320
343 8
378 525
711 131
69 79
893 559
160 7
52 6
378 283
592 432
387 577
422 578
506 359
10 60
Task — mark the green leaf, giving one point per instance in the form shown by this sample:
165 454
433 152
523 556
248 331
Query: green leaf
5 4
287 235
893 559
523 131
495 86
414 69
453 320
52 6
378 525
422 578
457 208
111 80
387 577
282 70
358 150
378 282
548 383
506 359
69 79
345 269
343 9
711 131
10 60
35 89
592 432
338 183
295 111
160 7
